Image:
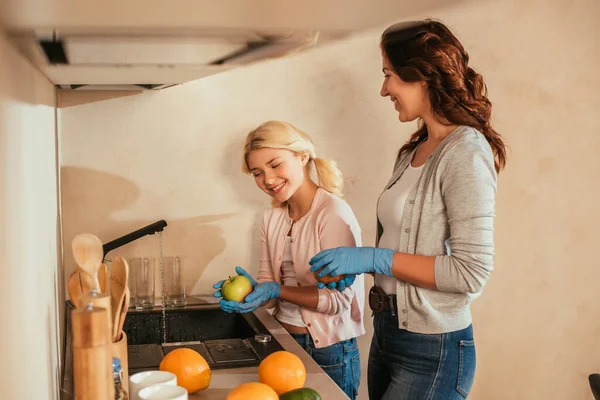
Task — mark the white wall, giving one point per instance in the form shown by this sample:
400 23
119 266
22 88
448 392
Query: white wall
175 154
29 225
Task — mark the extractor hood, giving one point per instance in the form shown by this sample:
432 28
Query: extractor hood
133 59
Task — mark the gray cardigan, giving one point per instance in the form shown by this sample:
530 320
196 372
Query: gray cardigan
449 214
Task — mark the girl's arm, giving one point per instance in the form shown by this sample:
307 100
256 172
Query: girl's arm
338 228
334 231
304 296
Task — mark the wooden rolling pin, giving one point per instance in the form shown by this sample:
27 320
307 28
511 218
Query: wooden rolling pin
92 355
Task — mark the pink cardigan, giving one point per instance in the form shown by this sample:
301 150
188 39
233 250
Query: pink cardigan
329 223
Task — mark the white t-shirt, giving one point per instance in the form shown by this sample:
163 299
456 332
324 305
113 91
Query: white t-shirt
389 211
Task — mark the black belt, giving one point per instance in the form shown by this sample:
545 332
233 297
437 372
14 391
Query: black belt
380 301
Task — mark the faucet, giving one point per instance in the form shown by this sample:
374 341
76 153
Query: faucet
151 229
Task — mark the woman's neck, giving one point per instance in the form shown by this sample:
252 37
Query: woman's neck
436 130
301 200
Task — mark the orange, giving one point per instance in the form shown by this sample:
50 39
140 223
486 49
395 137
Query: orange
283 371
252 391
326 279
192 370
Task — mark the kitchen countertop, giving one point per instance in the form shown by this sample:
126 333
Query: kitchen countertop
224 380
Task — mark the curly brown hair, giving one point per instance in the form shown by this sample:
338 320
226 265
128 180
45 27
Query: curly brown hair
427 51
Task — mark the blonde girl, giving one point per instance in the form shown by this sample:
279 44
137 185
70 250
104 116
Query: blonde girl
306 217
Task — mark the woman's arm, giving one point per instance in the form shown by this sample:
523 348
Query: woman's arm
418 270
468 190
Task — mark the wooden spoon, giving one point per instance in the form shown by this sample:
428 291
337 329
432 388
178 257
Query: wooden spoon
123 312
88 254
119 274
103 278
79 284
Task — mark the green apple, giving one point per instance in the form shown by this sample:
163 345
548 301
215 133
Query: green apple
236 288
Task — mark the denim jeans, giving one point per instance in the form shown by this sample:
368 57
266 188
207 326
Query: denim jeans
411 366
341 361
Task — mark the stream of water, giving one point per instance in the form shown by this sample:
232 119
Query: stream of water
162 288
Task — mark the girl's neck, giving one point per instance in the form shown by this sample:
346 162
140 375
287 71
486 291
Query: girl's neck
301 200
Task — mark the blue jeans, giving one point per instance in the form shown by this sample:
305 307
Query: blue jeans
411 366
341 361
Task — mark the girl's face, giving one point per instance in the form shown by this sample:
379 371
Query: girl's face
277 172
410 98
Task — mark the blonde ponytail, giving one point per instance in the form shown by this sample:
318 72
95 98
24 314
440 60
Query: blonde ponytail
330 176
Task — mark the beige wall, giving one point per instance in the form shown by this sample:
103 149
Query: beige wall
29 225
175 154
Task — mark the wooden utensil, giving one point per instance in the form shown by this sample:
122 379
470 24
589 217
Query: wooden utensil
119 274
103 278
79 284
88 254
124 309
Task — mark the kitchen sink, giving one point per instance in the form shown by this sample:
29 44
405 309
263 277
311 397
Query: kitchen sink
225 340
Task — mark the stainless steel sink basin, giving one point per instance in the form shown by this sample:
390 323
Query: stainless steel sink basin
225 340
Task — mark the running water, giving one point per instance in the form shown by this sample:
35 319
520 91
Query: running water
162 287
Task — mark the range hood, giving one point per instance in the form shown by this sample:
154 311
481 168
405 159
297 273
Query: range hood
133 59
153 44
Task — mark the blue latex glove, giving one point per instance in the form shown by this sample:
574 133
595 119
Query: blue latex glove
261 292
352 261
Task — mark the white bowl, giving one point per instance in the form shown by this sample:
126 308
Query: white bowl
144 379
163 392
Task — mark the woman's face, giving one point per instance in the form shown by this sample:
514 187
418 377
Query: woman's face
410 98
277 172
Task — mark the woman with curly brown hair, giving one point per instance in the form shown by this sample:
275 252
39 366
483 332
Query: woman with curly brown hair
435 220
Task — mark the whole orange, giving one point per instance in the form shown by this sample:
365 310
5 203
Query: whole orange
252 391
192 370
283 371
327 279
